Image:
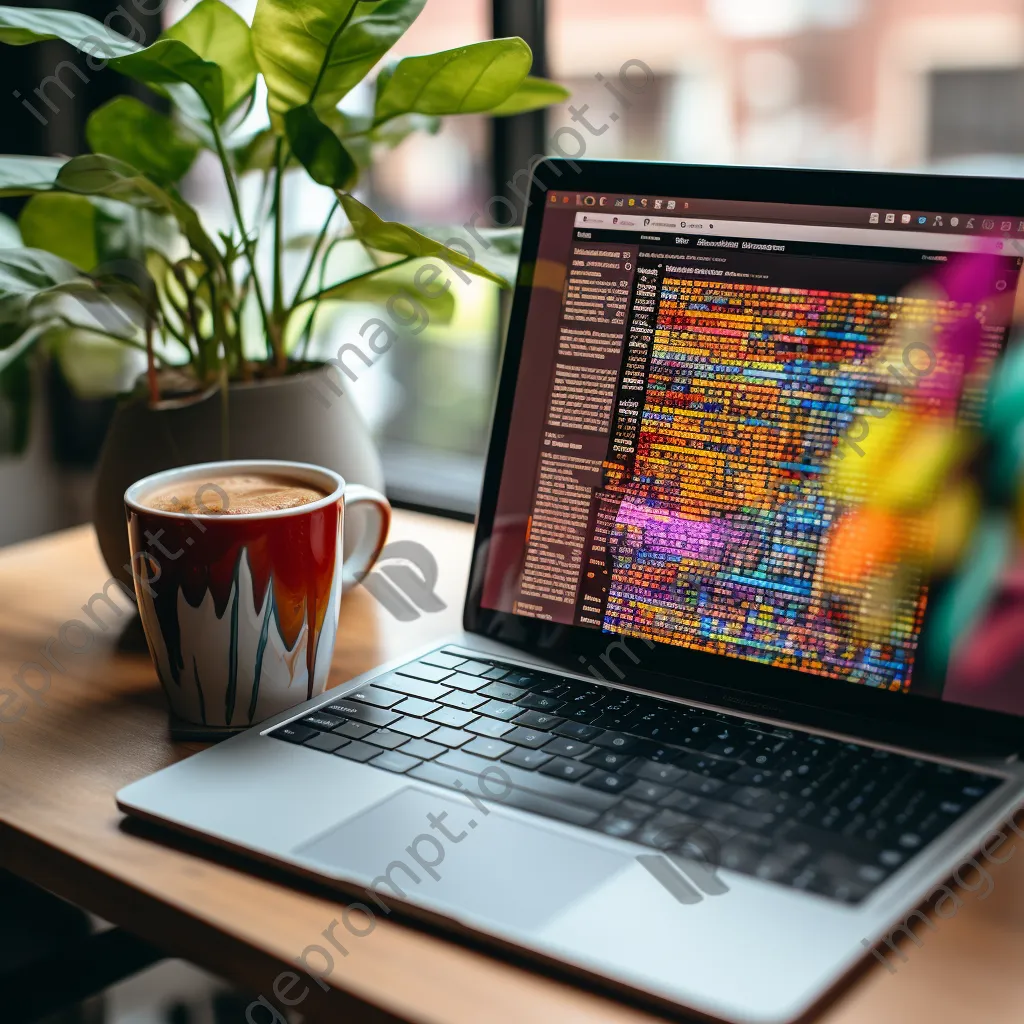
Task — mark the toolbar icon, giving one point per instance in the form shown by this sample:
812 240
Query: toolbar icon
970 223
1006 225
619 202
954 222
657 204
671 205
554 197
890 218
873 219
938 221
589 200
905 219
922 220
632 202
988 225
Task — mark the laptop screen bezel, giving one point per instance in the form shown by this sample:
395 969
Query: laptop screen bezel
667 668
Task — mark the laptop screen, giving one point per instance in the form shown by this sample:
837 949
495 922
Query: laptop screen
725 423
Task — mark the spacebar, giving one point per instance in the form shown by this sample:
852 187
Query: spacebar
563 792
522 799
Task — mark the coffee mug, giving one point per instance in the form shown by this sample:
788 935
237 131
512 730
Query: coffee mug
240 611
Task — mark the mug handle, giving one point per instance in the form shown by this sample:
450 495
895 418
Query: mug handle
371 543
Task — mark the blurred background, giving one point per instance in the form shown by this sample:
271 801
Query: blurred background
930 84
828 83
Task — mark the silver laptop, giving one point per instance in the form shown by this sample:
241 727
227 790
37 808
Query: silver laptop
700 741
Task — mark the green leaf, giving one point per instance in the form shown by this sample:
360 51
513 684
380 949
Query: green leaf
500 256
10 235
384 287
165 65
466 80
62 224
20 26
129 130
89 232
26 273
390 236
315 51
95 366
169 62
532 94
319 150
215 33
24 175
95 175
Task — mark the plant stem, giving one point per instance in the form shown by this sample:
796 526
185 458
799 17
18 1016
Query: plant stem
151 378
278 230
359 277
273 341
315 250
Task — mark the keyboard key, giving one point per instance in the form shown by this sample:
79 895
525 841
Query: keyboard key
519 678
616 741
624 818
532 738
608 759
293 733
318 720
605 782
454 717
566 748
538 720
656 771
327 741
416 707
414 687
362 713
413 727
745 776
537 782
386 738
463 682
394 761
563 768
577 731
713 767
484 747
428 673
450 737
649 792
522 799
502 691
474 668
355 730
423 749
442 660
461 699
489 727
376 696
540 702
357 750
498 709
526 758
496 673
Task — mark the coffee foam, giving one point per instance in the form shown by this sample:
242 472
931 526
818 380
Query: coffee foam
233 495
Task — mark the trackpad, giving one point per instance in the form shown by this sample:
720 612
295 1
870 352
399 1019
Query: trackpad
445 851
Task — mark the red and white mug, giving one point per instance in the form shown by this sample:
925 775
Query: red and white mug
241 611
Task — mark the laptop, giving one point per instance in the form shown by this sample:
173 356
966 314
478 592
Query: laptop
695 743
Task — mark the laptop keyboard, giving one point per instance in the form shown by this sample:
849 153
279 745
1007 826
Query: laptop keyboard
800 810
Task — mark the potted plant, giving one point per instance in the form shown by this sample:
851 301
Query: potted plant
112 255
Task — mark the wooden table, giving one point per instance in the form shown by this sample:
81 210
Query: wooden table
102 724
